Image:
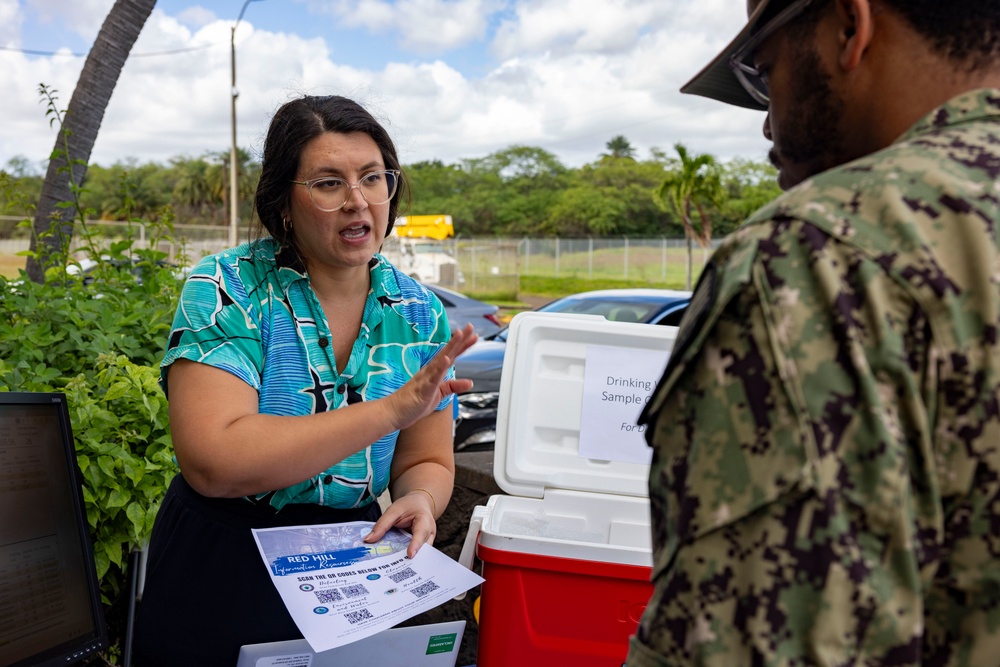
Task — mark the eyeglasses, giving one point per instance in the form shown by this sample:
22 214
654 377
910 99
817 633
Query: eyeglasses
752 79
331 194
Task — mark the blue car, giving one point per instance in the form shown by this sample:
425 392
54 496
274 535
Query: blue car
475 428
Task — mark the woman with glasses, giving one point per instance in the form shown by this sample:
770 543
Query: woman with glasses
306 376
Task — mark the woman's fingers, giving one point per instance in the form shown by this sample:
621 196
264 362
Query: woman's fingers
428 387
411 513
461 340
421 535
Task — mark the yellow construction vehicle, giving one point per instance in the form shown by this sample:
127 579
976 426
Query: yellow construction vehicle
424 226
416 246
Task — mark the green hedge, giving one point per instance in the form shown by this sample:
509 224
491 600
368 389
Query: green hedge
100 344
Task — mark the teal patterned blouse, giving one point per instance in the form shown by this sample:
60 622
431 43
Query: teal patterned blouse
253 313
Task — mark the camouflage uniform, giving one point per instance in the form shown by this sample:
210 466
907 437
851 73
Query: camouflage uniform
825 485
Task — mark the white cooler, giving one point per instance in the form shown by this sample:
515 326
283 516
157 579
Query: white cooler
567 555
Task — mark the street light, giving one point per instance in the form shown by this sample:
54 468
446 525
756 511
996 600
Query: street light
233 189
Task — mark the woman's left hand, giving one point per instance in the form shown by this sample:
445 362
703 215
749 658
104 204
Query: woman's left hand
414 512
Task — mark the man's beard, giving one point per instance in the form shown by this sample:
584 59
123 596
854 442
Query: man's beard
811 140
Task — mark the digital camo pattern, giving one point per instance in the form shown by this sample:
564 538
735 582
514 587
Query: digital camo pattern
245 312
826 440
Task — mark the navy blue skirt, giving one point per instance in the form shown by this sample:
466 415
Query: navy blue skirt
207 590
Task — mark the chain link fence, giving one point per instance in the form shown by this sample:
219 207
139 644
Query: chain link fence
643 260
483 266
490 266
191 242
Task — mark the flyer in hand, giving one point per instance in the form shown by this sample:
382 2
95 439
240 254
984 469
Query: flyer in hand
339 589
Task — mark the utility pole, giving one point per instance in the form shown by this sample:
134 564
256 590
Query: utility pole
234 221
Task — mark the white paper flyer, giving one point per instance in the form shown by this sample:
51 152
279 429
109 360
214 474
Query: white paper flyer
338 589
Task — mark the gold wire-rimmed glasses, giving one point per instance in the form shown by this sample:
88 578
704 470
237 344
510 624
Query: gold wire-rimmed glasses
329 193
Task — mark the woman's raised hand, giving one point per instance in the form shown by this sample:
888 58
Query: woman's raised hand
428 387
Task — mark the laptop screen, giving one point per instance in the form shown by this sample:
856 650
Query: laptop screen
50 604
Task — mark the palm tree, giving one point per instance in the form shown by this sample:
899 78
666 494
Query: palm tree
192 189
695 182
80 125
218 174
619 147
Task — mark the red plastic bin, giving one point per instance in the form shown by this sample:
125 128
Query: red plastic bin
543 610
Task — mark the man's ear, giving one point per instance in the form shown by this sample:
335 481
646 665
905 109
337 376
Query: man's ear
856 28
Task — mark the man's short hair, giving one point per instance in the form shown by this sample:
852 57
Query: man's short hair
966 31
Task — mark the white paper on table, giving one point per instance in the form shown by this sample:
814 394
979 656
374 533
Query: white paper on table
338 589
617 384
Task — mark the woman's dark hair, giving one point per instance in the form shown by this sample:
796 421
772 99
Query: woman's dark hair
294 125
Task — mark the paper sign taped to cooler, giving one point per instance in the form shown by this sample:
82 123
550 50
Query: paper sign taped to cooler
617 385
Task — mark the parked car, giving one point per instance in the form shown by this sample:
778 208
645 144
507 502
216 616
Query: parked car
475 428
462 310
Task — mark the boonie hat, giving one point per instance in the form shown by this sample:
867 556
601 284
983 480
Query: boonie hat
717 81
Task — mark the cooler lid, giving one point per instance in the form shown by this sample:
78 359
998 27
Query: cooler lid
571 390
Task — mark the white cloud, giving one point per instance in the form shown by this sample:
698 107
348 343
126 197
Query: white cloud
196 17
26 130
432 26
11 20
424 26
576 87
374 15
572 25
84 17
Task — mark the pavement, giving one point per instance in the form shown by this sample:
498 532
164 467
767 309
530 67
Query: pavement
531 302
535 302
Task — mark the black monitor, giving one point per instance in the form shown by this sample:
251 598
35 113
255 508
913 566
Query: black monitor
50 600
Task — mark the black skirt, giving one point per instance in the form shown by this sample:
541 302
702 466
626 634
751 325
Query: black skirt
207 590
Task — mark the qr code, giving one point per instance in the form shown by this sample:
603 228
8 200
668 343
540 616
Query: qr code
355 591
423 589
357 616
328 596
403 575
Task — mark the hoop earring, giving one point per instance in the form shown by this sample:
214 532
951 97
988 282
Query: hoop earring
286 223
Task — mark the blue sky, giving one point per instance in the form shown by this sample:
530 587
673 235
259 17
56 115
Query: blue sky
451 79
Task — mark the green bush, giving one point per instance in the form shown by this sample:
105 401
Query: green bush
98 336
100 344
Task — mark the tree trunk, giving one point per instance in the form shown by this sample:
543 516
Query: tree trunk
690 259
82 121
688 234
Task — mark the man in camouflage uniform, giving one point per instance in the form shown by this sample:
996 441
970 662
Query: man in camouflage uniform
825 485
